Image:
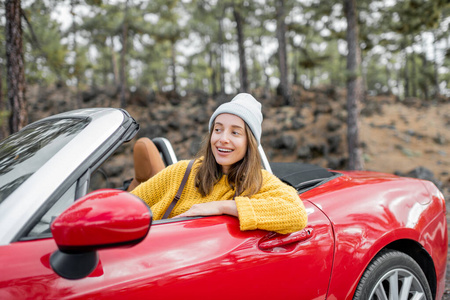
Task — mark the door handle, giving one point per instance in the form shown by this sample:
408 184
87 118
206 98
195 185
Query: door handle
277 240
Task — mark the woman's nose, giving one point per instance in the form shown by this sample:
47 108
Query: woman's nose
224 138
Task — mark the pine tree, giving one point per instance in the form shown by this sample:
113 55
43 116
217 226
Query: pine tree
15 66
243 73
282 52
354 86
123 54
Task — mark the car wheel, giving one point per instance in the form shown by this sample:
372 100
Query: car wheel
393 275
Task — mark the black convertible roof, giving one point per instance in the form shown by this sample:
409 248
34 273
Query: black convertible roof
301 175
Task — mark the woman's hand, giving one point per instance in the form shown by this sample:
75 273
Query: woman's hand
227 207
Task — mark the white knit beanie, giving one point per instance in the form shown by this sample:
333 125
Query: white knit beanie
247 108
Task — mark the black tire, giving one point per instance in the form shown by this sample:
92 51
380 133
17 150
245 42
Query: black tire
393 272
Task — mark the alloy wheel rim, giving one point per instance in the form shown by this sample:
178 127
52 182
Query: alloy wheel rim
398 284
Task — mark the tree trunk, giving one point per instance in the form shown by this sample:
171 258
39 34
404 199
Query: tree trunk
213 72
364 72
123 81
424 85
3 126
413 74
241 49
115 69
173 59
354 86
282 56
74 49
388 76
266 79
221 58
406 75
15 66
398 82
295 71
436 67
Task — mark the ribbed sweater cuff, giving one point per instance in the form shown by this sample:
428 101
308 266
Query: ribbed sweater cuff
247 216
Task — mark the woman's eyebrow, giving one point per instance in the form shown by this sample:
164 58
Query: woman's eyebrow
234 126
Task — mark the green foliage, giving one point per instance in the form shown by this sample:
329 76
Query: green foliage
195 42
45 55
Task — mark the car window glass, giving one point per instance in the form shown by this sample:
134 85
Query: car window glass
43 226
25 152
114 171
100 180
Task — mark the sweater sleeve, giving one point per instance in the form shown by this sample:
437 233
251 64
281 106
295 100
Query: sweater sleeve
276 207
163 186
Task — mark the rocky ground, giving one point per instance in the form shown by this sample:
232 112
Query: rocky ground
411 137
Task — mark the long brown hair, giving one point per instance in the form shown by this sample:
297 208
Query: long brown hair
245 175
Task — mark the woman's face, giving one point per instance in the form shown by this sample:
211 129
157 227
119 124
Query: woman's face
228 140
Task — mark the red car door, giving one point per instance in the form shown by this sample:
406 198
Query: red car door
194 259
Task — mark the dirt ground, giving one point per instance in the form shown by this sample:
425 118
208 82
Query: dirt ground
407 137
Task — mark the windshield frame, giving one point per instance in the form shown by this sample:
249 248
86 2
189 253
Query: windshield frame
108 128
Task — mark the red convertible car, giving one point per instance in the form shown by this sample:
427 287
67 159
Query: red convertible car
369 235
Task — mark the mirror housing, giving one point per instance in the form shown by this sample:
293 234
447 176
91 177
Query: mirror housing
102 219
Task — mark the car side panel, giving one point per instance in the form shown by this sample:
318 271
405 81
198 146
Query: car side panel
199 258
369 213
434 235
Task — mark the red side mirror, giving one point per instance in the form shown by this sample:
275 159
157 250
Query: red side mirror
102 219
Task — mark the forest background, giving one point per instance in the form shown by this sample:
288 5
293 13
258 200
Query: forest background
344 84
275 49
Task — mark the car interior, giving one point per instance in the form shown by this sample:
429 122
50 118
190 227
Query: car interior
151 156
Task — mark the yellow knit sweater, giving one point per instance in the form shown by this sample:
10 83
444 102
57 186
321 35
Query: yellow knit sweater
276 207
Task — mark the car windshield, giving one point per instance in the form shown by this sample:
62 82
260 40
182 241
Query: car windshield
24 152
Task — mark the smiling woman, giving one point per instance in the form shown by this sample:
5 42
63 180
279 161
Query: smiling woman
228 177
228 140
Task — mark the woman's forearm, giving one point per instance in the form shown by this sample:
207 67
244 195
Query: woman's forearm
223 207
